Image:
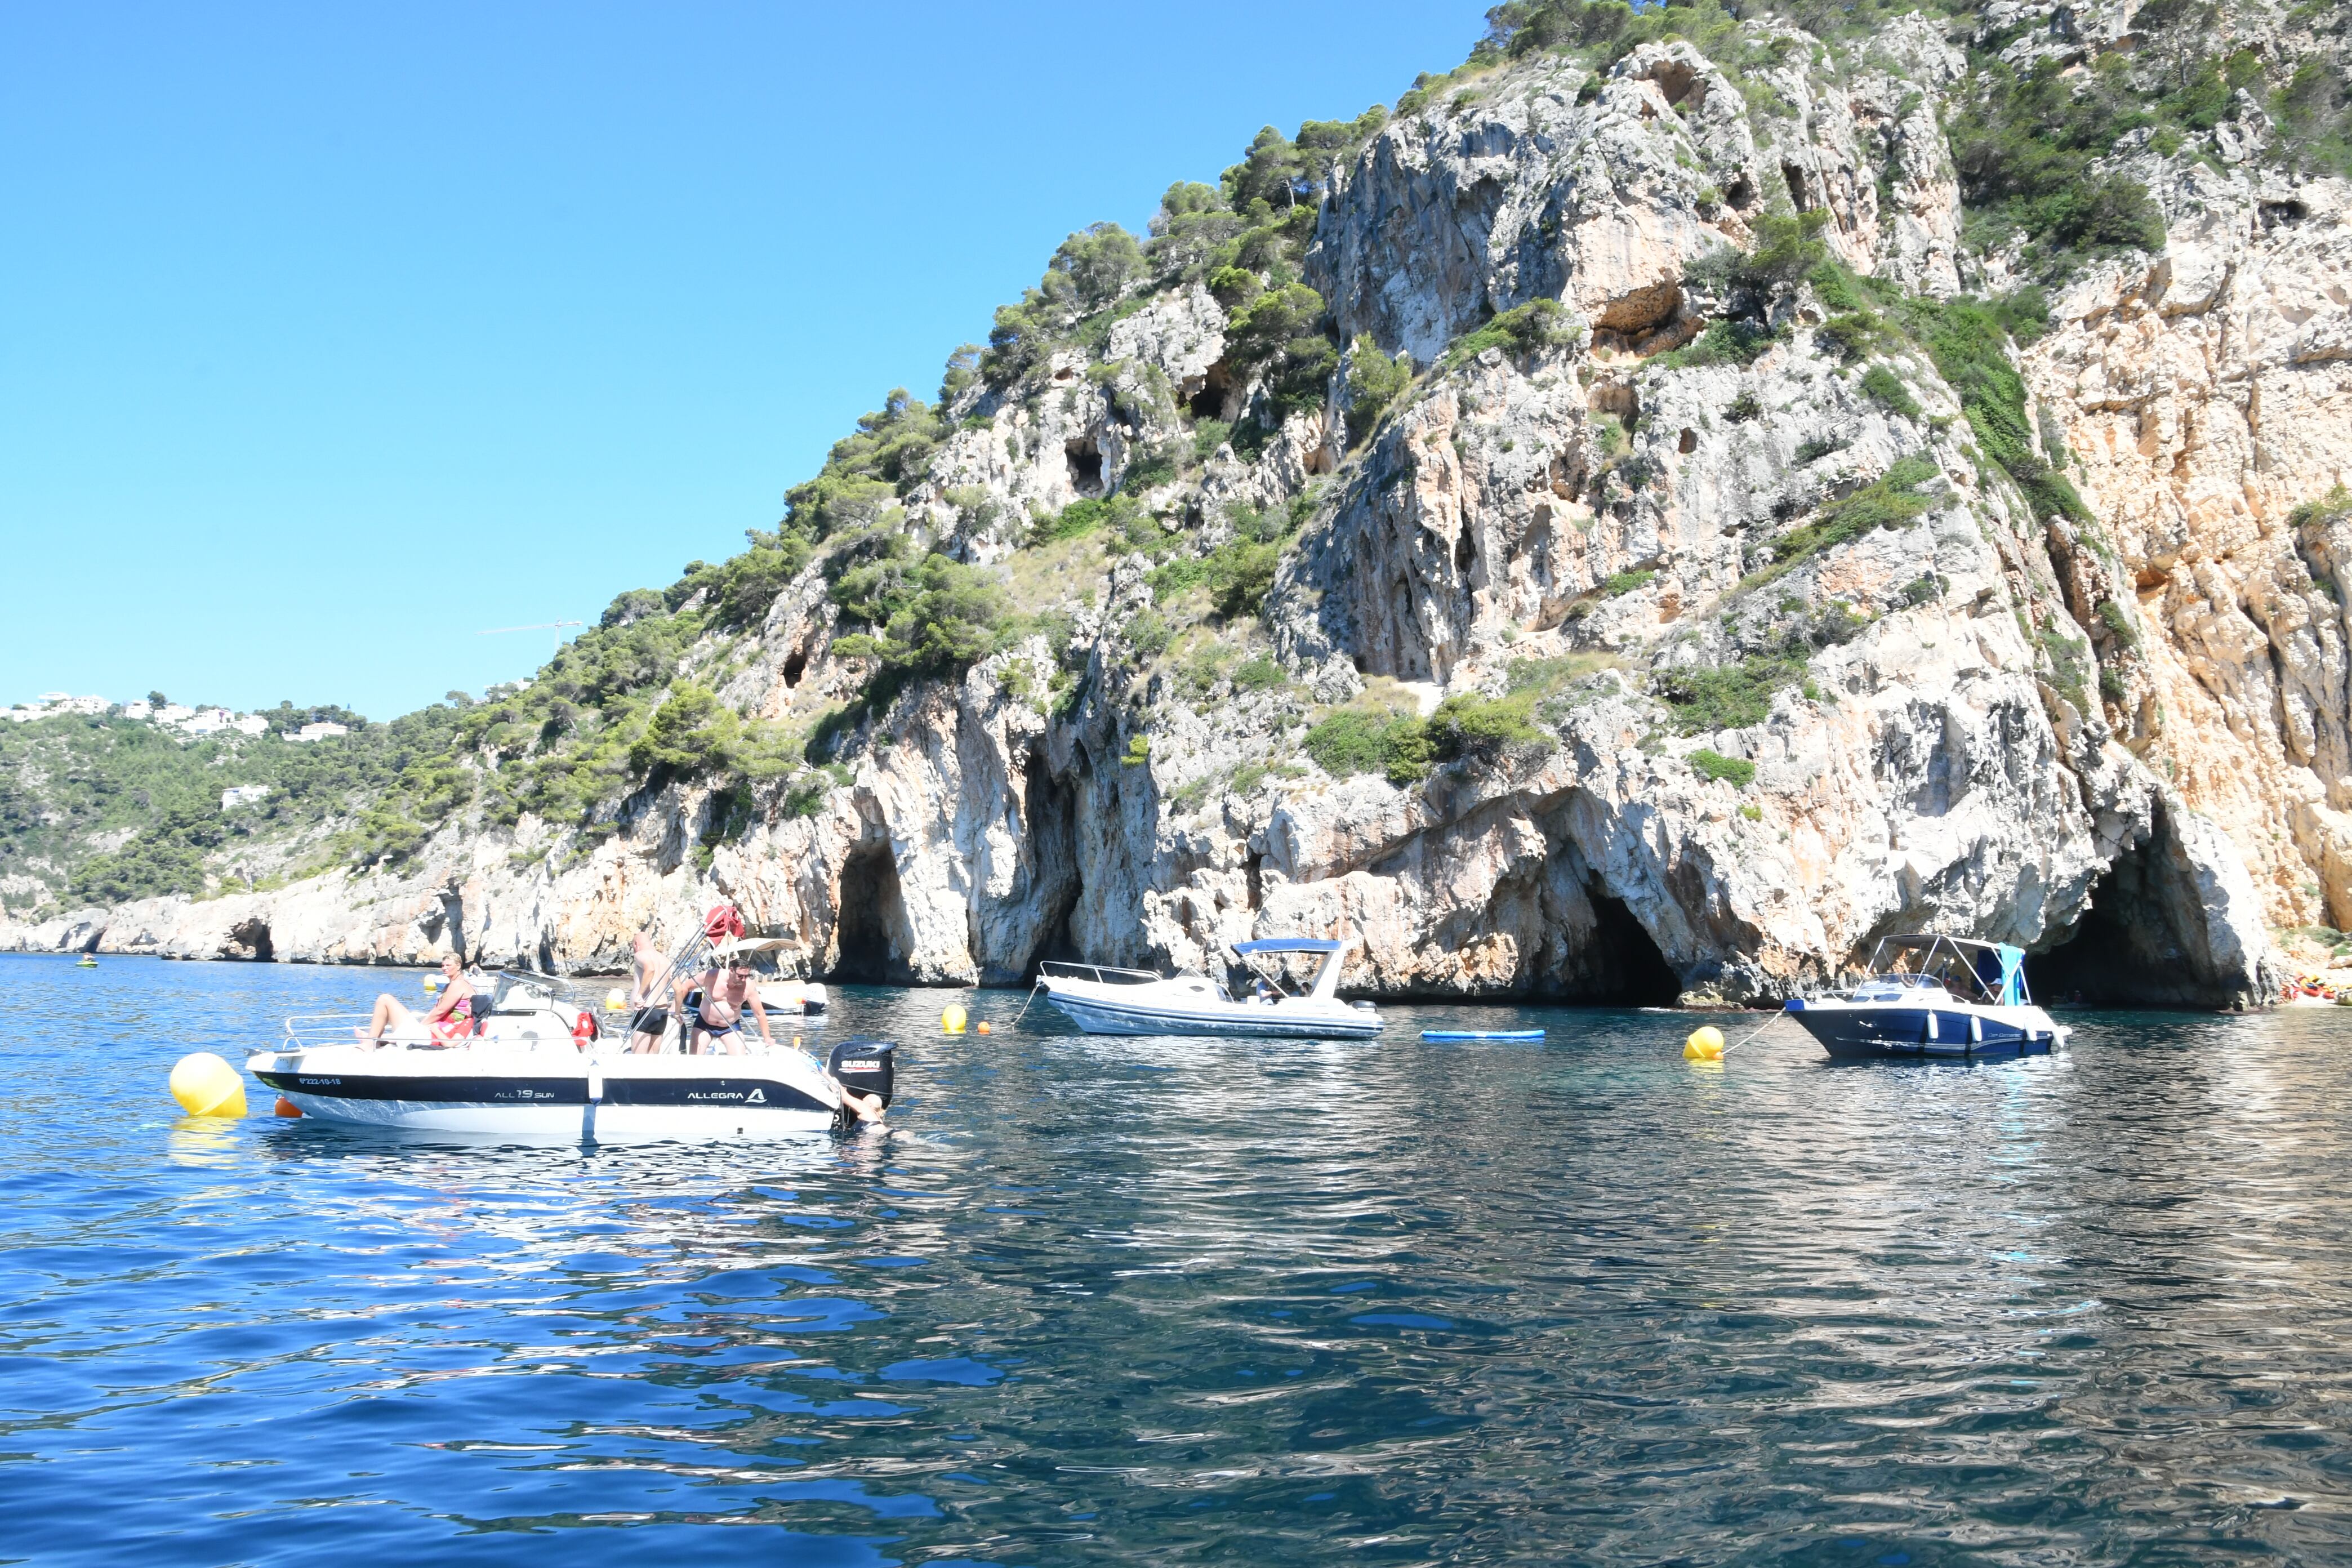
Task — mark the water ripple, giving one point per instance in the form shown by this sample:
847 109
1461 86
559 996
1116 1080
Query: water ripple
1093 1301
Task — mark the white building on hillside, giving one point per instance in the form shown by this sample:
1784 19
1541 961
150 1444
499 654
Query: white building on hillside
211 722
172 714
243 795
139 709
93 706
318 731
250 724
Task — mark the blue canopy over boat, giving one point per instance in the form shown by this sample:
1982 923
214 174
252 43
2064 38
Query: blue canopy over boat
1290 945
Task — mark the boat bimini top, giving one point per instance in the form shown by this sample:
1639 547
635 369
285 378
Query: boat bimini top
1326 983
1989 974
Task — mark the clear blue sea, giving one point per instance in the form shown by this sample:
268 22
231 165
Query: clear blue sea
1092 1301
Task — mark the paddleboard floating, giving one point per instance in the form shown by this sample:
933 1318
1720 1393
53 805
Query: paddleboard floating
1482 1034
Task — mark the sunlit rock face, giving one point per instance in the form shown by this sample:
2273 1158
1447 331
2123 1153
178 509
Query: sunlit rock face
2123 741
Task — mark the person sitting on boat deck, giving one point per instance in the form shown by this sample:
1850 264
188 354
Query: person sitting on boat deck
645 1030
451 1017
712 1007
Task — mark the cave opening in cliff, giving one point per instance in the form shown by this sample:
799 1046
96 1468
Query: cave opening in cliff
1086 466
871 940
1627 968
251 940
2124 949
1208 400
1797 194
1050 805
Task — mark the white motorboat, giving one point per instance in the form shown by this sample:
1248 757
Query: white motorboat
539 1070
1105 1001
1933 996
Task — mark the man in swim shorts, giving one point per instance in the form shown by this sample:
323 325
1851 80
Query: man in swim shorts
647 1028
715 1022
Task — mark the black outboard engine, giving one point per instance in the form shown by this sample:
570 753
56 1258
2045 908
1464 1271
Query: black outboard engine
869 1067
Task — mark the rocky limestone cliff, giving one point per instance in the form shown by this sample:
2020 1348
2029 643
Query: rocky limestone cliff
1761 725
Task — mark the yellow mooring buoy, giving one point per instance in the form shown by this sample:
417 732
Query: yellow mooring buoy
616 1000
1704 1044
206 1086
952 1020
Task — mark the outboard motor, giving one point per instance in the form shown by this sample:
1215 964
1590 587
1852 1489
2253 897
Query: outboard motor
869 1067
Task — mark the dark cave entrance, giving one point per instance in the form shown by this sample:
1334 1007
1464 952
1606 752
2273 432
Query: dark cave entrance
2129 949
252 941
1797 192
871 935
1207 400
1051 807
1086 466
1627 968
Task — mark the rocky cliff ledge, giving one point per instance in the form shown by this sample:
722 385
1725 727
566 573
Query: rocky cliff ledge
1689 561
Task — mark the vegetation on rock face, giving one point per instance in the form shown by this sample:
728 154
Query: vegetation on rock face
2025 148
2050 158
103 810
1888 502
1968 341
1738 771
1541 323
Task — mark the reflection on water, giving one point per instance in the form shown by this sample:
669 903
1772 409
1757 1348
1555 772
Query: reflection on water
1091 1300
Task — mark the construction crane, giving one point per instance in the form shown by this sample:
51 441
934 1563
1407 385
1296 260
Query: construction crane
555 626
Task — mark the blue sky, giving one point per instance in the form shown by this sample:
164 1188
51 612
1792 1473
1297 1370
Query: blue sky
331 335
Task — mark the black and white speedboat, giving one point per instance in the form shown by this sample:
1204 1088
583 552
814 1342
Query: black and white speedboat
1933 996
1103 1000
538 1069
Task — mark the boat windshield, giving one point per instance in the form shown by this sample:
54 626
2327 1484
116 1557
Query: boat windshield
1973 971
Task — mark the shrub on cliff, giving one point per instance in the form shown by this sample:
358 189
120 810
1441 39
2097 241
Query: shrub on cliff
2025 149
1282 332
868 470
936 618
1734 696
1541 323
691 732
1469 727
1966 339
1354 741
1889 501
1374 382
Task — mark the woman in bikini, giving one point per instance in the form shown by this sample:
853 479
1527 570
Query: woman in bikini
450 1019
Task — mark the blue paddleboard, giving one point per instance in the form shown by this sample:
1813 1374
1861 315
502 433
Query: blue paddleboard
1482 1034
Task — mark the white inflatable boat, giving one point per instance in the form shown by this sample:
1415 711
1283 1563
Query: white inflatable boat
1103 1001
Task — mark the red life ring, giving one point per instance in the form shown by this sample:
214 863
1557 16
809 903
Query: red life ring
583 1029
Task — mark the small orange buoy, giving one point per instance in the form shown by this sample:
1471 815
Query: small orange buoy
287 1107
981 1027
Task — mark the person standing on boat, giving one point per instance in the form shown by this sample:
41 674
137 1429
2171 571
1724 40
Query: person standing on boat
450 1019
645 1030
715 1019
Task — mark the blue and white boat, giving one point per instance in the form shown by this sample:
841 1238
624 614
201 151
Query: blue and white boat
1935 996
1105 1001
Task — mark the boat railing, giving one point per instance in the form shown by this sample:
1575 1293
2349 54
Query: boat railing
307 1031
1101 973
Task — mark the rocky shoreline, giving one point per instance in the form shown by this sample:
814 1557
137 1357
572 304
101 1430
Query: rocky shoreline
2120 738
